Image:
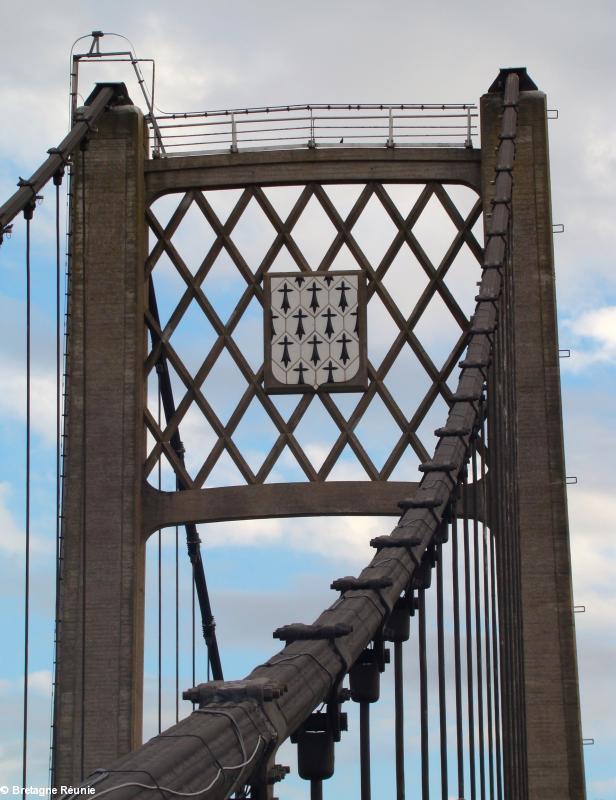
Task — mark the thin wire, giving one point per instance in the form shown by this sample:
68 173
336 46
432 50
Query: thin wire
219 712
311 656
469 641
456 640
364 749
495 496
58 459
207 788
478 644
285 120
103 774
319 107
423 696
67 310
177 627
193 736
27 565
486 602
193 630
399 718
442 696
504 563
497 697
83 466
160 589
316 789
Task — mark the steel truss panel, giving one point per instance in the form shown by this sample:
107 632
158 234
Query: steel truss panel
312 174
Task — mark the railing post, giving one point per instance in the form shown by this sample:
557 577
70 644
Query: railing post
233 134
469 127
98 694
390 140
311 141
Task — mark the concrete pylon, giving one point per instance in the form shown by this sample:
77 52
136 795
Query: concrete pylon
98 693
552 762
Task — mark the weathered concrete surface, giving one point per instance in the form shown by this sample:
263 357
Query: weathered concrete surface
99 686
553 729
103 551
328 165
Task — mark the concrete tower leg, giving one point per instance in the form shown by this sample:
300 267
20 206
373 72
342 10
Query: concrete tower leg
100 653
553 758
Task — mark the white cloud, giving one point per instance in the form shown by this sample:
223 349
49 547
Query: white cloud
595 332
593 553
38 729
13 350
43 399
39 682
600 158
335 537
12 536
599 324
604 786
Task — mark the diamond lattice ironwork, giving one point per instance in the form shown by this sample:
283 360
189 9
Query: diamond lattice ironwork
221 375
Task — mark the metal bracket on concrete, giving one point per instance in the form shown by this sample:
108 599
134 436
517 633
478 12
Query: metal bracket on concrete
406 542
298 631
349 583
259 689
376 584
422 577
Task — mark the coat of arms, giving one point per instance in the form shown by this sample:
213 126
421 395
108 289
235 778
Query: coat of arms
315 331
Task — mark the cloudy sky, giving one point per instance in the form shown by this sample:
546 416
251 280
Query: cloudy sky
214 55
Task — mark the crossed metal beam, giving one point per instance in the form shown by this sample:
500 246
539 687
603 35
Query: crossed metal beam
375 273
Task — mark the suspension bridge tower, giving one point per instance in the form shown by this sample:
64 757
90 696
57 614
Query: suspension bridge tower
489 502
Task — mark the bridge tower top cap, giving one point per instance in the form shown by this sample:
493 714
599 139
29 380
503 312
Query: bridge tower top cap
121 96
527 84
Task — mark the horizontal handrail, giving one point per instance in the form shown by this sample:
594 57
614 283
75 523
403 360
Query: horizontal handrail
320 107
315 125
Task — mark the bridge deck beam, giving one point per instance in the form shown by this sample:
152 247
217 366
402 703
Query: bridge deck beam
328 165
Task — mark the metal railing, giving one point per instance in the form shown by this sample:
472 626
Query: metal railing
284 126
318 125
